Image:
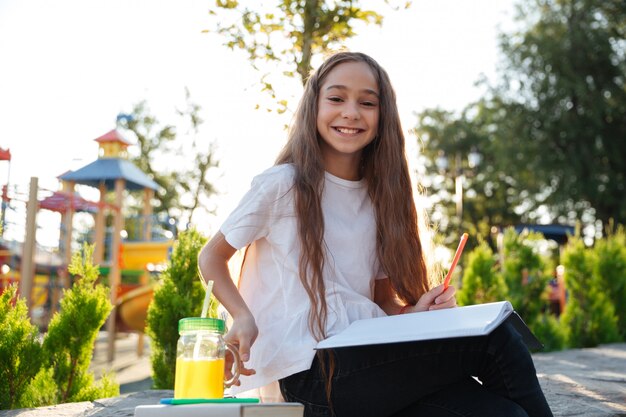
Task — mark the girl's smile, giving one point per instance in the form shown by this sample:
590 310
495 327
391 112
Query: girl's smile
347 130
347 118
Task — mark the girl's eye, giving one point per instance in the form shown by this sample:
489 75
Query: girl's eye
368 103
335 99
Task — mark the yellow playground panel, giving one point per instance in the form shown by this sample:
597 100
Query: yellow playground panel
140 255
132 306
40 290
41 285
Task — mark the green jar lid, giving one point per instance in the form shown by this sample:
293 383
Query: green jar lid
201 323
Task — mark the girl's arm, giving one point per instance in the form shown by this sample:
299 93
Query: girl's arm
213 262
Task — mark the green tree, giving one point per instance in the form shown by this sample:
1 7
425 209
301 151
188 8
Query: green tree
180 294
72 332
482 283
33 373
589 317
289 31
524 273
185 187
20 350
610 271
465 146
564 93
551 129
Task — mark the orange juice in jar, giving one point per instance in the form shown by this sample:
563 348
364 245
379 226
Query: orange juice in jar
200 359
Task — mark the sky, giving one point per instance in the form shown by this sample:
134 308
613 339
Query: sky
68 67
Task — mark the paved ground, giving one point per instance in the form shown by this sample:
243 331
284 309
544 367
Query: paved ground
133 372
585 382
578 382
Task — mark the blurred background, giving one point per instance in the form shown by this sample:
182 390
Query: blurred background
73 70
514 110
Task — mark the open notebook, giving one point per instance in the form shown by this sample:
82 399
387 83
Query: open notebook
474 320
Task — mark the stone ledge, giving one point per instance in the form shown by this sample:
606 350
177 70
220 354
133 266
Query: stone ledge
122 406
578 382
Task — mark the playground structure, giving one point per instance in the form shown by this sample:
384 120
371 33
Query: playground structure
133 296
125 266
133 302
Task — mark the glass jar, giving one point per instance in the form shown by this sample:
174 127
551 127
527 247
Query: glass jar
200 359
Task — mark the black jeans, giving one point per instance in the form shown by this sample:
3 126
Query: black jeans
430 379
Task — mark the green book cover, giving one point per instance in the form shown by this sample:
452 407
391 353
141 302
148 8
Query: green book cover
229 400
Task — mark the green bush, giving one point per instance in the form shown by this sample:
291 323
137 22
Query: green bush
72 333
56 371
523 270
610 270
481 281
548 330
20 350
42 390
180 295
589 317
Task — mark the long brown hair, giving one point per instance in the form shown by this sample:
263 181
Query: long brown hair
385 169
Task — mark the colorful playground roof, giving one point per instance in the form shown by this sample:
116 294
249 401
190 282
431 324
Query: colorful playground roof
61 201
112 136
107 170
5 154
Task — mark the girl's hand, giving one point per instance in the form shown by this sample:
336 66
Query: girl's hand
435 299
242 334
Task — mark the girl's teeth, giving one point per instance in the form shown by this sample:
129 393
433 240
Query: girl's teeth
347 131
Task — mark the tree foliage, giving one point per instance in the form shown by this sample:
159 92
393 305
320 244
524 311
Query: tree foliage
567 72
34 374
551 129
610 270
72 332
482 282
289 31
164 153
489 193
180 294
524 271
20 350
589 317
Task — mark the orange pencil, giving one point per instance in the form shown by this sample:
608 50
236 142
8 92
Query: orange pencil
455 260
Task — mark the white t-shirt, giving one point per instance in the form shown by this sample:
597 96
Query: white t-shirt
265 219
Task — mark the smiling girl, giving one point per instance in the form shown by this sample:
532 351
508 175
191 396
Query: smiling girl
332 236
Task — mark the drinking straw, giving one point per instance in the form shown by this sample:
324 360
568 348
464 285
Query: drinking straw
207 299
202 280
208 288
203 314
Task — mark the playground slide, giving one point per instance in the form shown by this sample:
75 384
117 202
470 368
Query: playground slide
132 306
